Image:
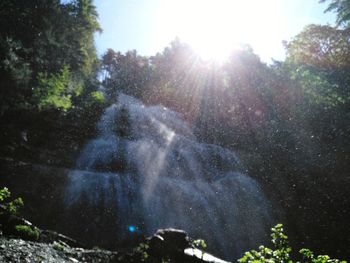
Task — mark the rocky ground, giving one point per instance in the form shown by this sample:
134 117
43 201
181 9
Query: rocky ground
20 241
18 250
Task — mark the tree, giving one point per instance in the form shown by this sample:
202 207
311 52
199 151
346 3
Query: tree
128 73
322 46
177 80
40 38
319 59
342 8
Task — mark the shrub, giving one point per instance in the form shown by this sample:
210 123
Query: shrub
28 232
10 207
141 251
97 97
60 246
281 252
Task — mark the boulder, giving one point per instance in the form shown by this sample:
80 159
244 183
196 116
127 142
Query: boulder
175 245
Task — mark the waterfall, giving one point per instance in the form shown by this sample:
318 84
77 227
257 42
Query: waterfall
147 170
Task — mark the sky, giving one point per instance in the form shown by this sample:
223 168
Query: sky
211 27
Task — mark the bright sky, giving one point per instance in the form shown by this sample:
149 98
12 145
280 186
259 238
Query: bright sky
211 27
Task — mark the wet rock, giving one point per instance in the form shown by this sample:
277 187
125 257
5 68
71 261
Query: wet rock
49 236
175 245
169 242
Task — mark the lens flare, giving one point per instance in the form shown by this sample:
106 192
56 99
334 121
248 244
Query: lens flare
132 229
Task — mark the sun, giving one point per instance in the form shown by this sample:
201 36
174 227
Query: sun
210 27
216 27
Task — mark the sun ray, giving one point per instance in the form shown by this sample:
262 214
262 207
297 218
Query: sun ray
216 27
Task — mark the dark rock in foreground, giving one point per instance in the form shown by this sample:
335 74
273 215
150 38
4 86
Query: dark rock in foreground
176 246
18 250
166 245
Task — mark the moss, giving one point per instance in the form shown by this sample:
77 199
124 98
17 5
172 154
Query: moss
60 246
28 232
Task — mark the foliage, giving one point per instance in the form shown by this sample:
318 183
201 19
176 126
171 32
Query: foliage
28 232
50 37
13 62
52 90
60 245
177 78
127 73
342 8
97 97
281 252
319 87
292 116
165 78
200 243
322 46
4 194
141 251
12 206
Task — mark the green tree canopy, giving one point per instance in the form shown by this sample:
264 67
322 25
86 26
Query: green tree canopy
319 59
40 38
322 46
342 8
128 73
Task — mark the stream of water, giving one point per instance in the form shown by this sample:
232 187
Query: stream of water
147 168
